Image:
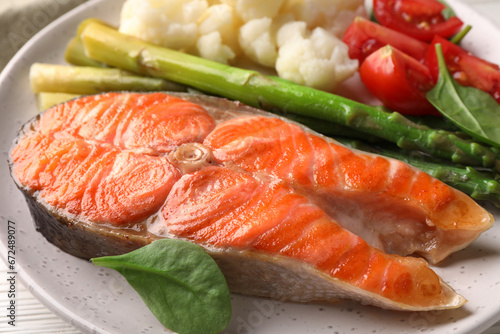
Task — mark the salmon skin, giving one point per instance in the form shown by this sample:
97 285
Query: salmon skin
280 208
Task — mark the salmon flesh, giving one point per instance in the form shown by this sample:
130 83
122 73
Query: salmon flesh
286 213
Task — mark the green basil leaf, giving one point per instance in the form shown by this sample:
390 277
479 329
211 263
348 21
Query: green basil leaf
180 283
475 112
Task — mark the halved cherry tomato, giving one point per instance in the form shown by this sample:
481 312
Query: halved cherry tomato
421 19
466 68
398 80
363 37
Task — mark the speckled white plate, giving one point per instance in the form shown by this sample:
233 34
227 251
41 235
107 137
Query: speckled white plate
98 300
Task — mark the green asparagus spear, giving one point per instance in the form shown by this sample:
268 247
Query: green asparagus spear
107 45
75 54
436 122
91 80
479 185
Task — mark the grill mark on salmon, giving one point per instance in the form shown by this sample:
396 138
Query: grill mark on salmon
147 166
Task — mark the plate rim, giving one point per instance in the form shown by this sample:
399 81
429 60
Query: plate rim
34 287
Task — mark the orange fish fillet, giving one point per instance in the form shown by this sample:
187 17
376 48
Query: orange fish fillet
281 209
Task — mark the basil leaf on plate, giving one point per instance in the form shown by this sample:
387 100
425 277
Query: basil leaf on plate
475 112
180 283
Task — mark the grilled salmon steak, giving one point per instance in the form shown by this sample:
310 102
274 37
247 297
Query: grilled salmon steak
285 212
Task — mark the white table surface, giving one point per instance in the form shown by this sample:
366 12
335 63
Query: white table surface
34 318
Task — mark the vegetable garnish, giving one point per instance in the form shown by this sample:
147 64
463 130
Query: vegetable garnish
399 81
180 283
297 40
475 112
277 95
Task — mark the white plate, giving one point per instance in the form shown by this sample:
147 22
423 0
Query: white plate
98 300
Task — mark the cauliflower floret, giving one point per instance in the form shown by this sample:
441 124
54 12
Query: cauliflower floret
255 9
171 23
220 18
210 47
316 59
299 39
258 42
